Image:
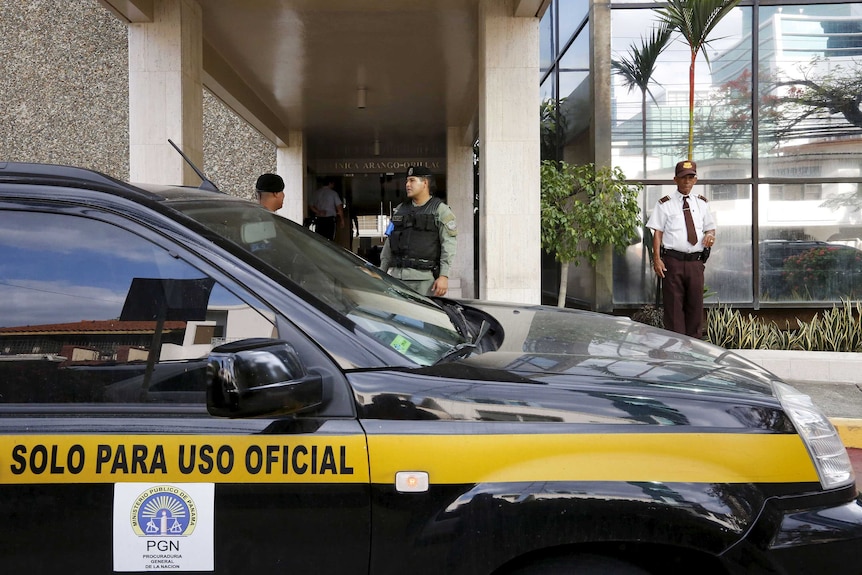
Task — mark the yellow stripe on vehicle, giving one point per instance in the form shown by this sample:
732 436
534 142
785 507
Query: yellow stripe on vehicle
448 459
666 457
212 459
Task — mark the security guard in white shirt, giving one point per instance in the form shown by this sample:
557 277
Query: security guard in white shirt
683 235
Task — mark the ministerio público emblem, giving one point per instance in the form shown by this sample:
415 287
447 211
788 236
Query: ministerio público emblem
164 511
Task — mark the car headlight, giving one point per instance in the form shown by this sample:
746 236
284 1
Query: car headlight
819 435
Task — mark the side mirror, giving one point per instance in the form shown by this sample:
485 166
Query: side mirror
259 376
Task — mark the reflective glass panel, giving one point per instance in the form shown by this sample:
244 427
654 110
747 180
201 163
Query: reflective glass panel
547 51
728 274
546 90
650 123
572 14
575 96
811 242
811 78
809 132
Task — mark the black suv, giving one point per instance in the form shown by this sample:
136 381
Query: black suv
189 382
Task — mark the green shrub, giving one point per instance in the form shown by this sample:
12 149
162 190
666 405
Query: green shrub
726 327
837 329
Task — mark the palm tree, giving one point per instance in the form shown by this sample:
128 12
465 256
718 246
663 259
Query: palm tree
637 69
695 20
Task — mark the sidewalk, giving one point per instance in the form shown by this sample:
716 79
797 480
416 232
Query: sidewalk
820 366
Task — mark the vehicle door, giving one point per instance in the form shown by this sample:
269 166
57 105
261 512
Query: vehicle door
109 460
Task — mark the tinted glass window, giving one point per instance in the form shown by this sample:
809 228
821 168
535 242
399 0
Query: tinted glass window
382 306
546 42
90 312
572 14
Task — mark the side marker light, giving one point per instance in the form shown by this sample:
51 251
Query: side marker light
411 481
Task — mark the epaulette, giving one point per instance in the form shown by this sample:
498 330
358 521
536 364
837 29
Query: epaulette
664 199
701 197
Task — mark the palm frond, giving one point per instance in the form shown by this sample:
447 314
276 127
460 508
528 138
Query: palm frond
638 66
695 19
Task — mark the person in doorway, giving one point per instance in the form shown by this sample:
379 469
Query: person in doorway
354 219
326 206
270 191
420 248
683 235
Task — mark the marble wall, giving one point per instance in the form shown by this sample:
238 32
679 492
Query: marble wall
64 92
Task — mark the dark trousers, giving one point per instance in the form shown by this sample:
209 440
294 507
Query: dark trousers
682 290
325 227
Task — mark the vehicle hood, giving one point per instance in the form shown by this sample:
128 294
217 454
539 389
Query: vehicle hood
558 346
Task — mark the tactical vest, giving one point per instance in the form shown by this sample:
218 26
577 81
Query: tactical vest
415 241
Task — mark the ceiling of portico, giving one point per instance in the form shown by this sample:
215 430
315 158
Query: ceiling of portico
298 65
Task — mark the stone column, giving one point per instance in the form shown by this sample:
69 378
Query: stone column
459 182
290 165
510 246
600 72
165 94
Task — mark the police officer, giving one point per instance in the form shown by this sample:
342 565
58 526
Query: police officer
270 191
683 233
421 246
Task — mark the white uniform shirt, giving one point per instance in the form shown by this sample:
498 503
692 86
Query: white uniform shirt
327 201
667 217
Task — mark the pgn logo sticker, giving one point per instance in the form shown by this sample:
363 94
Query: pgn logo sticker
164 510
164 526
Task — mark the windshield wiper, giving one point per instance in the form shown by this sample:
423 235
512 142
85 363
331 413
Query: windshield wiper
466 348
456 316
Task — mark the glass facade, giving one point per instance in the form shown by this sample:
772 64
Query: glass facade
777 133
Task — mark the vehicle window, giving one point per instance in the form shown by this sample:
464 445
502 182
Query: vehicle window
409 323
90 312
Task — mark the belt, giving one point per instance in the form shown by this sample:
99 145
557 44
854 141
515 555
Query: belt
415 263
686 257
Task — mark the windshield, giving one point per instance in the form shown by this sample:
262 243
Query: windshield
388 310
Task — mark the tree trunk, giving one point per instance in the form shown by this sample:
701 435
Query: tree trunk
643 192
691 105
564 284
643 130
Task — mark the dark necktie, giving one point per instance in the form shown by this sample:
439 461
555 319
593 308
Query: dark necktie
689 222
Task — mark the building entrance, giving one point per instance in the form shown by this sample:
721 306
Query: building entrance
369 200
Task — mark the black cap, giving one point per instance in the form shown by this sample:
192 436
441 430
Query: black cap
419 172
269 183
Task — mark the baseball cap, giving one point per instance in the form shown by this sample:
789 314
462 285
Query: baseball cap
686 168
